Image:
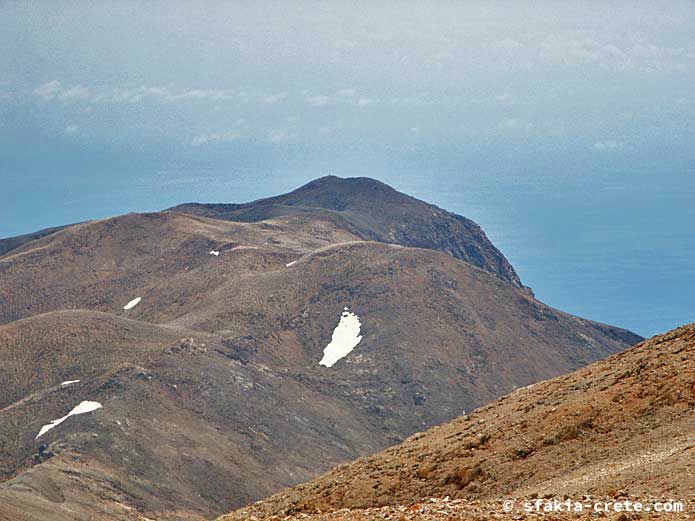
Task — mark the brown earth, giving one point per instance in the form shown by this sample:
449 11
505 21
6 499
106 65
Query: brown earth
211 390
447 509
11 243
623 427
373 211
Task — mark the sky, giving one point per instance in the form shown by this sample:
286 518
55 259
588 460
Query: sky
565 129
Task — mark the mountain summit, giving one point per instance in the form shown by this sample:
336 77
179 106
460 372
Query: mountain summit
373 211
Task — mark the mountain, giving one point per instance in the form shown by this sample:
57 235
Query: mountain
373 211
11 243
200 339
617 428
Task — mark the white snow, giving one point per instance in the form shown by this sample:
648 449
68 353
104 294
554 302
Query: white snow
346 336
290 264
82 408
215 253
69 382
132 303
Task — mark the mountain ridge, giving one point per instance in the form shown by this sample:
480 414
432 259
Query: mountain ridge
374 211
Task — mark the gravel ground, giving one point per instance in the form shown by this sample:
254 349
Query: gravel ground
445 509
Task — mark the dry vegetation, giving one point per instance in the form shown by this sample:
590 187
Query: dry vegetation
211 390
622 427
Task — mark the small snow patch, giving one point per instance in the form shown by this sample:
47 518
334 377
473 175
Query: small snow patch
69 382
82 408
346 336
215 253
132 303
290 264
587 339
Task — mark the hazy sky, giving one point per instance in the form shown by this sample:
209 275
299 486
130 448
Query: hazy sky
113 107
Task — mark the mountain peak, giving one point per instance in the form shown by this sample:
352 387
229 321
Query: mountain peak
333 182
373 211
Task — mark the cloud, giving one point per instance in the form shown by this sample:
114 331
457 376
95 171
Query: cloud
344 44
274 98
71 129
75 93
197 94
343 96
508 44
138 94
583 48
516 124
438 60
363 102
318 101
608 144
132 94
346 93
4 94
413 101
120 95
129 94
503 98
279 136
48 91
215 138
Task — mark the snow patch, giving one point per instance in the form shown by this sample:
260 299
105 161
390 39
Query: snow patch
215 253
346 336
132 303
587 339
290 264
69 382
82 408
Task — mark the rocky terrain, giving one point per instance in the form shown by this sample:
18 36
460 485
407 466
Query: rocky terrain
622 428
447 509
199 332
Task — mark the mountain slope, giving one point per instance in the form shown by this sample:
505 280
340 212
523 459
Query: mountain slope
373 211
102 265
249 408
624 423
211 387
12 243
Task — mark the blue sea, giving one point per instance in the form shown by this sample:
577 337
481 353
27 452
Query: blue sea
612 241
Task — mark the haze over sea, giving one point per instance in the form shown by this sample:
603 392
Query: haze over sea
565 131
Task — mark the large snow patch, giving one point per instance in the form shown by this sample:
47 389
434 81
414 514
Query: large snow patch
82 408
346 336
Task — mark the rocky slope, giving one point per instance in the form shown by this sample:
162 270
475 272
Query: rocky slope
622 427
211 390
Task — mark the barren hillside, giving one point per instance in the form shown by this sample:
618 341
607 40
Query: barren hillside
201 340
622 427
